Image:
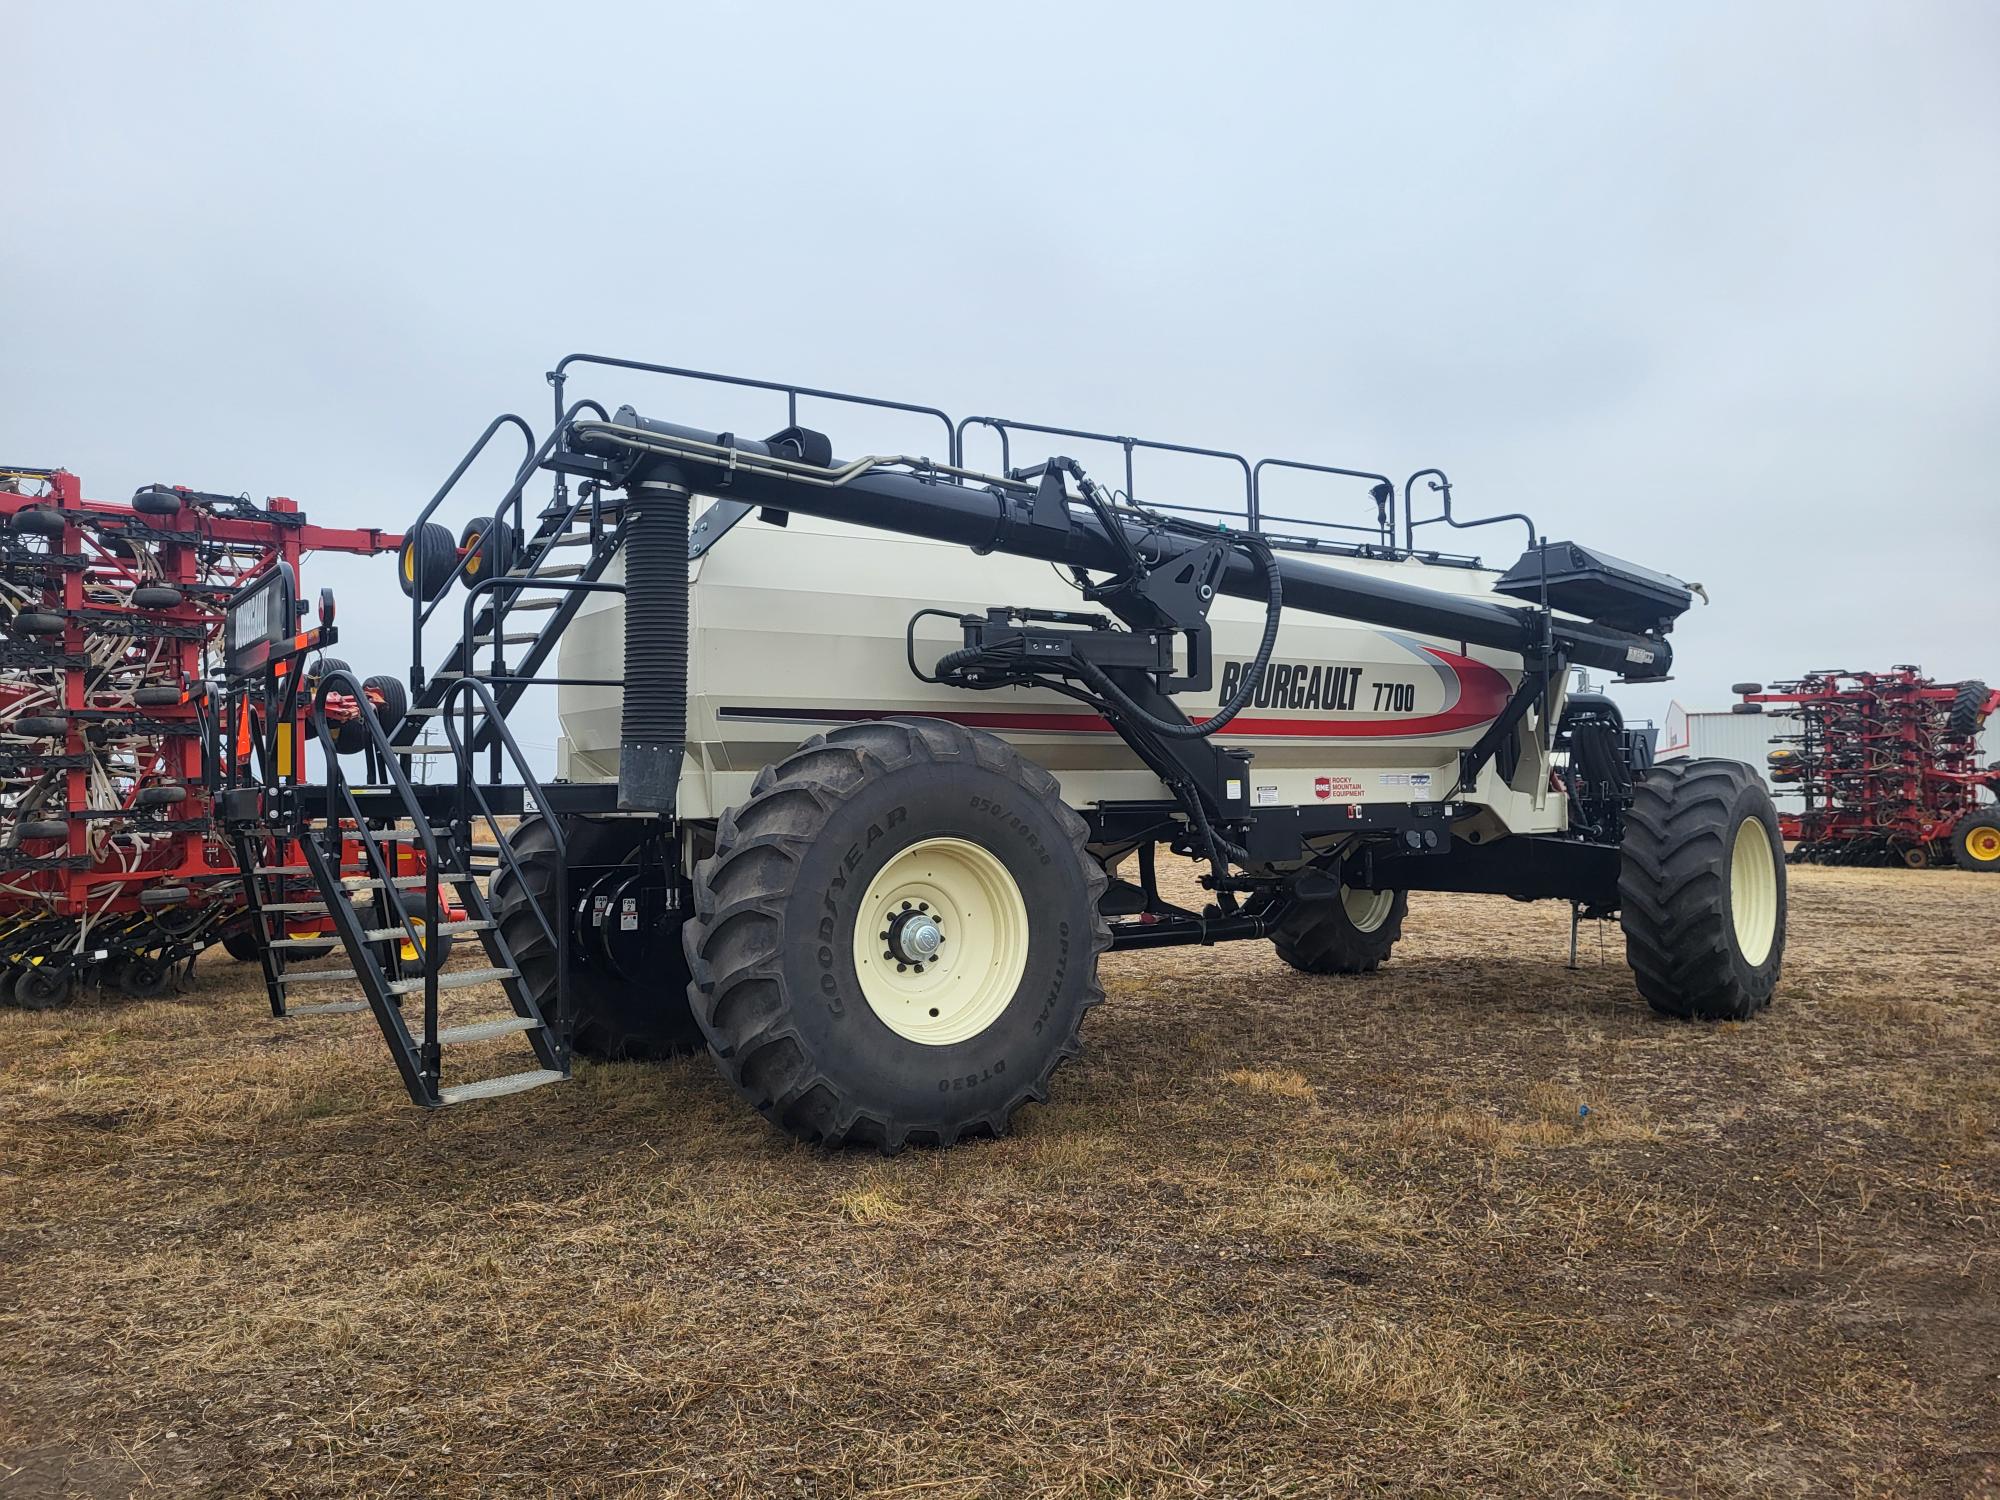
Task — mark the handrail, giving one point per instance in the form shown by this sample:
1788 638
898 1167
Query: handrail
559 376
421 608
1002 425
413 535
462 752
513 584
337 780
1441 487
1384 493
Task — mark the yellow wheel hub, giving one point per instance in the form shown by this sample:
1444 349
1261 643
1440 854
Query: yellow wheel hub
1983 844
1753 891
941 941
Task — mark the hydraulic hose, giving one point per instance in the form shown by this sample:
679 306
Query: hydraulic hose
1274 584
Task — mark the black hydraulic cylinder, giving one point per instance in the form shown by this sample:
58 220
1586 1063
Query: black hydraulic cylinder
991 519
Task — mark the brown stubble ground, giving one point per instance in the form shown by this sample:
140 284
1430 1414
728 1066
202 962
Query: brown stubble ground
1274 1236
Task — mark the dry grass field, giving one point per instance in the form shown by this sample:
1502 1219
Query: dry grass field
1474 1225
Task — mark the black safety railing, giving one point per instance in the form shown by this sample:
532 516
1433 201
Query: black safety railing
471 797
507 586
426 593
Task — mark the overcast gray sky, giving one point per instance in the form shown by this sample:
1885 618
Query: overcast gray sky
1710 286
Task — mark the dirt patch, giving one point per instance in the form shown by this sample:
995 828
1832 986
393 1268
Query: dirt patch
1476 1223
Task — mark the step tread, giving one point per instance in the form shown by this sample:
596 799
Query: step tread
383 934
317 976
330 1008
493 1088
480 1031
458 979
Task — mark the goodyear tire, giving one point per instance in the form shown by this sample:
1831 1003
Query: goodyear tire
428 559
1341 929
1968 709
157 596
1746 687
38 622
896 938
159 697
489 547
614 1016
1975 842
240 943
1702 890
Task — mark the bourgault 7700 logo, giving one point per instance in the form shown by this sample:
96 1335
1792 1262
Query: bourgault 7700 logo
1296 685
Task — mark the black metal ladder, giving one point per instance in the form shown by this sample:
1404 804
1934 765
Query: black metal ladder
397 943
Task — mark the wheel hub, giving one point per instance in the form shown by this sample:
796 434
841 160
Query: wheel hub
940 941
913 936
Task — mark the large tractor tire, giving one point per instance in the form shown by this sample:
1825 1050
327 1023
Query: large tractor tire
1975 842
1343 930
1702 890
896 939
1968 709
615 1017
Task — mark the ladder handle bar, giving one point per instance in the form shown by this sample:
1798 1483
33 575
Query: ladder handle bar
462 753
421 609
379 742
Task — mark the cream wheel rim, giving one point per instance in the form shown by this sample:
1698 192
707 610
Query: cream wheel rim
1753 891
941 941
1367 910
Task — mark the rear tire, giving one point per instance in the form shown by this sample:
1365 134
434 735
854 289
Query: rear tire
615 1017
856 853
1702 890
1975 842
1346 931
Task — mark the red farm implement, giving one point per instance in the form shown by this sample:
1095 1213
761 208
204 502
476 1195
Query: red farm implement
113 866
1888 768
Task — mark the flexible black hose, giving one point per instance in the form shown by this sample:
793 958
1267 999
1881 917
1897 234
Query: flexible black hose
1101 681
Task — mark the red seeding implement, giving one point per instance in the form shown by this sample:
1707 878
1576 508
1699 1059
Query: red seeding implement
1888 765
113 867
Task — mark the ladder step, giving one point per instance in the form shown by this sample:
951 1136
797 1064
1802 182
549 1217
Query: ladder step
402 835
560 570
330 1008
454 981
317 940
318 906
384 934
317 976
493 1088
421 749
573 539
483 1031
401 882
281 870
507 640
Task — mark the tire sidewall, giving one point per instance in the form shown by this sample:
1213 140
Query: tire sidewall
866 1060
1751 801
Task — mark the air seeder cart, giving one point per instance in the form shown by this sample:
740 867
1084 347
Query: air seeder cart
866 760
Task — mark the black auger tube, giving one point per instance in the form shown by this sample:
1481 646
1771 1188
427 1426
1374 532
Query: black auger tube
653 731
989 519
